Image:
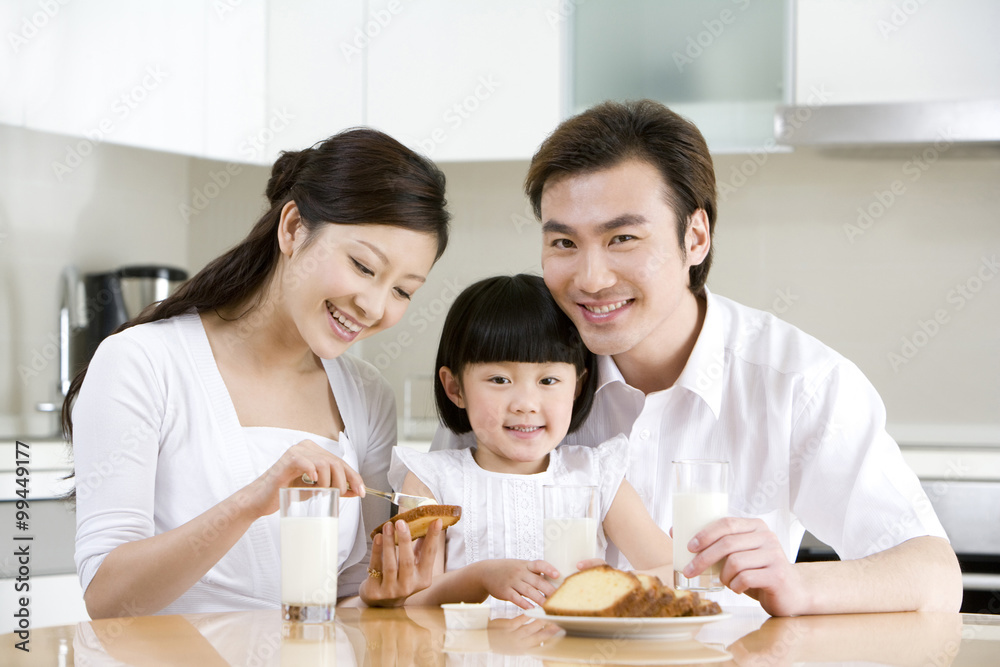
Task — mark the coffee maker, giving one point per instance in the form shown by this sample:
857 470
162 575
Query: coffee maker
93 305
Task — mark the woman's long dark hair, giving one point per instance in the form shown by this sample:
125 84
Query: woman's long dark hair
359 176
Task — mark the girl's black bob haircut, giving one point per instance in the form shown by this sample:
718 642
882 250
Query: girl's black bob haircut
510 319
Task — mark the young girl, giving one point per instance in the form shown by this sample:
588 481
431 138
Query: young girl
512 368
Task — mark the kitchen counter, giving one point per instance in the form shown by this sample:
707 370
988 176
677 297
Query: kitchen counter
417 636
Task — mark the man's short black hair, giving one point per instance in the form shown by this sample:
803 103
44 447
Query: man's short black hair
510 319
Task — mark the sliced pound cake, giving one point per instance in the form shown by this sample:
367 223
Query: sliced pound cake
598 591
606 591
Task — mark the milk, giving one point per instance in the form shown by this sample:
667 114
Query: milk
567 542
692 512
309 560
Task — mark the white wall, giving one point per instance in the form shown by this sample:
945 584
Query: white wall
788 239
863 286
111 206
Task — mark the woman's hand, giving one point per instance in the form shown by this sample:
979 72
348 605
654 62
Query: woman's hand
306 458
518 581
397 571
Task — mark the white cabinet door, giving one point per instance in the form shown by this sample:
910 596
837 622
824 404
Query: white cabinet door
315 77
235 77
471 80
118 71
871 51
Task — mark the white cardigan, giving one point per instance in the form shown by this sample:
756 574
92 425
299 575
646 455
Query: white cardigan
157 442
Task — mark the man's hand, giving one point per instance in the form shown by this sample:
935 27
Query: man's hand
754 563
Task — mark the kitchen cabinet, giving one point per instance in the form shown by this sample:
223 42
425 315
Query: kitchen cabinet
124 72
315 75
720 63
466 81
184 76
229 80
889 72
240 80
888 51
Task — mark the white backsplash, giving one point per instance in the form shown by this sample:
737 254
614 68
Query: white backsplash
790 239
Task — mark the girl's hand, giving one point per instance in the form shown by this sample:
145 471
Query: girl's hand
518 581
397 571
306 458
514 636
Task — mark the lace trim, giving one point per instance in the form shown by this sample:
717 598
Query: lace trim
526 496
470 518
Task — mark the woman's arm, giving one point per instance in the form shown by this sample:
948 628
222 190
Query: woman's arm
637 536
143 576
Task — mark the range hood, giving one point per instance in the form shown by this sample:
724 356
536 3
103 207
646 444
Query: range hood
888 123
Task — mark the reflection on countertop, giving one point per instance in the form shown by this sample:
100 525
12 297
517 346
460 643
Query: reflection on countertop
417 636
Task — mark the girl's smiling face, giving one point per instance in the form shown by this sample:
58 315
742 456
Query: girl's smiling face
349 281
519 411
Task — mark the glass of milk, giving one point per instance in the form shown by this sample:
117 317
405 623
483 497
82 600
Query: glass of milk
570 526
701 495
309 559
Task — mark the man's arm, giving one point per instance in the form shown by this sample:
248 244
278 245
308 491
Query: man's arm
920 574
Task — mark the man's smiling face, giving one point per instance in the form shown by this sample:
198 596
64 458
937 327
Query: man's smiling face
612 260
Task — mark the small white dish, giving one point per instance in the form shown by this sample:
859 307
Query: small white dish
466 616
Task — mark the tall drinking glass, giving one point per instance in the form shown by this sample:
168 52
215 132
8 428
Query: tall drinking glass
570 526
701 495
309 529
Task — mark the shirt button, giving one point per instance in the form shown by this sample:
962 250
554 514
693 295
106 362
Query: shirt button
644 434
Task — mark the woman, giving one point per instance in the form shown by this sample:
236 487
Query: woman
191 418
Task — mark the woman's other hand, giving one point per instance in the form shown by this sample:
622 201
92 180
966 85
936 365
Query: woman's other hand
304 459
400 566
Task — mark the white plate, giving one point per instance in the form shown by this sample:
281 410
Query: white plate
680 627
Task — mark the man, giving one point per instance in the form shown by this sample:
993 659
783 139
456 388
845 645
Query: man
626 197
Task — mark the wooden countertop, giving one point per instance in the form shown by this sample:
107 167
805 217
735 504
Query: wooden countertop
417 636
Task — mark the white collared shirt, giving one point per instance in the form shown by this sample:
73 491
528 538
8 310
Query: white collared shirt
801 426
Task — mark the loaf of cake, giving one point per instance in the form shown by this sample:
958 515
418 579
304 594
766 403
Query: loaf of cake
664 601
598 591
419 519
606 591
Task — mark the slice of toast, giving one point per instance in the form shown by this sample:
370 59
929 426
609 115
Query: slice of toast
598 591
419 519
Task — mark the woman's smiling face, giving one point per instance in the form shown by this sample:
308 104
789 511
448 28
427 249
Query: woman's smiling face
347 282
